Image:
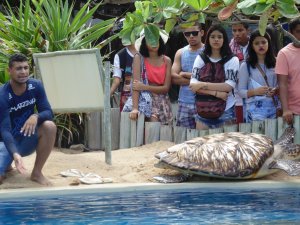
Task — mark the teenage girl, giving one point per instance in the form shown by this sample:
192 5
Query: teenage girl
257 79
216 48
158 71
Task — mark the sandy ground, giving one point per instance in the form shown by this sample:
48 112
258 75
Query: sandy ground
134 165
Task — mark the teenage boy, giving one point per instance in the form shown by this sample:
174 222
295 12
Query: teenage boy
181 74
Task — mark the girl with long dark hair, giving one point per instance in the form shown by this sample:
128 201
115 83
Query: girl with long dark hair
216 50
157 67
257 79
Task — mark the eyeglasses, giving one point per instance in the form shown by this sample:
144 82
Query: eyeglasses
189 33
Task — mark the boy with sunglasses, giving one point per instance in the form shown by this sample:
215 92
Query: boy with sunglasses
181 73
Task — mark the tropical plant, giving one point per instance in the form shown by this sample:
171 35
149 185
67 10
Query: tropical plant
50 25
62 31
68 126
162 15
18 33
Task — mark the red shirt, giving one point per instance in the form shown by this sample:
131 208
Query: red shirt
156 74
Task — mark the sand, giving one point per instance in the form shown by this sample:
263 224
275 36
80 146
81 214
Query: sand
133 165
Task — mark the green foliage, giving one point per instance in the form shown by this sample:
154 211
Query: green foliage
68 126
164 15
287 8
47 26
64 32
147 18
263 22
19 32
247 3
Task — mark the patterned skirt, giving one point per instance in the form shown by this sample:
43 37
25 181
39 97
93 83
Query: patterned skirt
161 108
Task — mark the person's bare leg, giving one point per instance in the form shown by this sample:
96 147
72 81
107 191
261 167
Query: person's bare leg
47 133
153 119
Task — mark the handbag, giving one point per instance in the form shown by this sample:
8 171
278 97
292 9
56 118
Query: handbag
145 98
275 101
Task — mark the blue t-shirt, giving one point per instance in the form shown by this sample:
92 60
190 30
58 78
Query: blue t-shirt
16 109
187 61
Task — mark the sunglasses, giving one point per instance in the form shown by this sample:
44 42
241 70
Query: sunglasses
189 33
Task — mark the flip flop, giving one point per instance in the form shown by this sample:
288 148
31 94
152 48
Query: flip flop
95 180
72 173
92 175
89 178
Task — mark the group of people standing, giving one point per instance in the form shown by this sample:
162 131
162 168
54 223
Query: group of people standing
221 81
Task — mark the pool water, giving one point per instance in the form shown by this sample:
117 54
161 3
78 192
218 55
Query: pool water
192 206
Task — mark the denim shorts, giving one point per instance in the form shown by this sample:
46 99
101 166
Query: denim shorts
25 146
228 115
260 110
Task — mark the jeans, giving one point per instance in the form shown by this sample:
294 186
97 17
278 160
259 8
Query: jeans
260 110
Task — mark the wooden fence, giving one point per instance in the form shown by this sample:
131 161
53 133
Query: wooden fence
126 133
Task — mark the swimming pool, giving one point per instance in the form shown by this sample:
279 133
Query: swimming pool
212 203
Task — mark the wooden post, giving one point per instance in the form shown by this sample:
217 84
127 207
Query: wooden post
140 130
231 128
107 120
115 125
93 131
166 133
203 133
258 127
152 130
125 130
216 130
179 134
133 125
245 127
271 128
174 107
281 126
297 128
191 133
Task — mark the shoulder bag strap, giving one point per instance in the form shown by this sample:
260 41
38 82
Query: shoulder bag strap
204 57
123 63
226 59
143 69
122 57
248 69
263 74
266 80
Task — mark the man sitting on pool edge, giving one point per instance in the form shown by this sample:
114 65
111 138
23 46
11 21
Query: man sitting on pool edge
22 130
